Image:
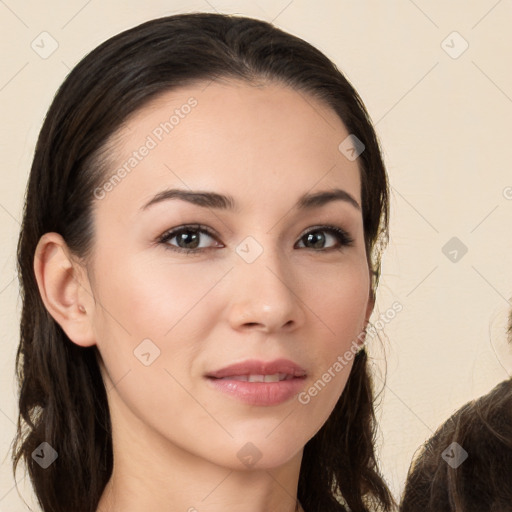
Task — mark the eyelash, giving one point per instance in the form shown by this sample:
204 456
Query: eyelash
344 239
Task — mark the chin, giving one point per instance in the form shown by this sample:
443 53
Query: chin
262 451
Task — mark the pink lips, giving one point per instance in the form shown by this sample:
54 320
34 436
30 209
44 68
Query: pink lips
259 382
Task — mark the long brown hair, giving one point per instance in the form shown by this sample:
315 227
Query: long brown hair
62 399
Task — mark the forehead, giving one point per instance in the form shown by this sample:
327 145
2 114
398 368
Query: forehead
231 134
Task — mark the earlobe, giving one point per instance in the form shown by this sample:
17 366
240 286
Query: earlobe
64 288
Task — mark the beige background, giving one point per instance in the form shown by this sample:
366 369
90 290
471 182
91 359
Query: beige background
445 127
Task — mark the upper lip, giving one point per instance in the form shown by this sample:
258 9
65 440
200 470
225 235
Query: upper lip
254 367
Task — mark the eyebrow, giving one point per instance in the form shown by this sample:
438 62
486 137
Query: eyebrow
226 202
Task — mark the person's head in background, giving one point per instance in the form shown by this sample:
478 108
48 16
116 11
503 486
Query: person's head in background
126 322
475 474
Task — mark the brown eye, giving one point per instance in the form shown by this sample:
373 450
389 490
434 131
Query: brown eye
187 239
316 238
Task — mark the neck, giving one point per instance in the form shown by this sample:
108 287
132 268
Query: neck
187 487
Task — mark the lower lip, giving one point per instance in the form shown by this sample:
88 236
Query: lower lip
260 393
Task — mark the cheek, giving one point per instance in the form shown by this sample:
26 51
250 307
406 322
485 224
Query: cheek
339 298
148 298
150 329
341 307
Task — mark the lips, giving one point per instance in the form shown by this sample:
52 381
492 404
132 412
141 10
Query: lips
276 377
280 367
259 382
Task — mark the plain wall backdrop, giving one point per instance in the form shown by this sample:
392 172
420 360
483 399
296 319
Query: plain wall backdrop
437 81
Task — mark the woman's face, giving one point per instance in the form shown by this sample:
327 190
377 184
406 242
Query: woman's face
260 284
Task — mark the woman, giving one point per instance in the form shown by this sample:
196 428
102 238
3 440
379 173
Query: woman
199 258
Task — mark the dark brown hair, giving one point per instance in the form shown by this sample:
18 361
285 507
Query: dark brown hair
62 399
482 482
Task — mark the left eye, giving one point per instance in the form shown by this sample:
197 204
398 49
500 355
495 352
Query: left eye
312 237
188 238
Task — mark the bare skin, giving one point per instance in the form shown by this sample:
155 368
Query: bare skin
178 440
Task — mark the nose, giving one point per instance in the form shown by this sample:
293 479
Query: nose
265 295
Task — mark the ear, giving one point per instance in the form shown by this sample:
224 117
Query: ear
64 288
